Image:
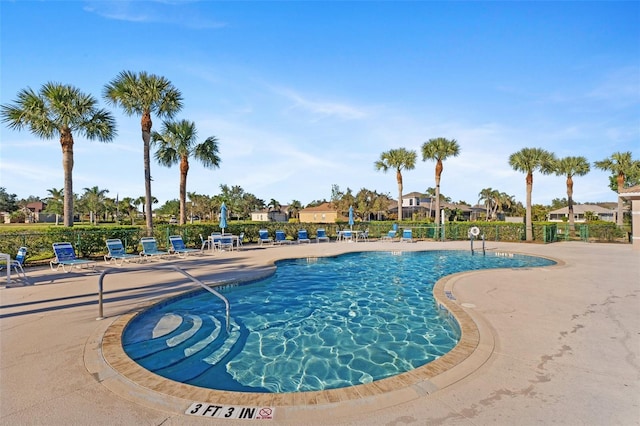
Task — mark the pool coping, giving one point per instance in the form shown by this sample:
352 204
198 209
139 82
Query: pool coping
107 361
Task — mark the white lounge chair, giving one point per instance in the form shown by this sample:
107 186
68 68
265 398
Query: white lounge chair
65 258
117 252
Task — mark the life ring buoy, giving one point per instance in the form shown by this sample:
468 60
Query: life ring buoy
475 231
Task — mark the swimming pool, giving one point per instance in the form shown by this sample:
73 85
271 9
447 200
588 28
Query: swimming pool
318 323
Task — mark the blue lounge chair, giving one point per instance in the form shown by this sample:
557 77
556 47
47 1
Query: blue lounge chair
391 235
263 237
281 238
321 235
150 248
117 253
178 247
66 258
303 237
407 235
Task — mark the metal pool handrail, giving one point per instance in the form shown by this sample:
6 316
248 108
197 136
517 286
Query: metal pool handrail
175 268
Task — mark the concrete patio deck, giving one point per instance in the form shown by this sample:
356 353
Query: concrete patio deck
554 345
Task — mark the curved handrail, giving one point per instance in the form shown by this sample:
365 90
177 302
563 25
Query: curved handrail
175 268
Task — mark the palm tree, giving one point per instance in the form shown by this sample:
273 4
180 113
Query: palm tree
570 167
397 159
55 202
143 94
431 193
620 164
487 196
528 160
439 149
59 110
294 208
94 201
178 142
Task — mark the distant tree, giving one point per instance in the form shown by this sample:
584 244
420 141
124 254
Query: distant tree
558 203
294 209
439 149
570 167
144 94
539 212
169 208
488 197
528 160
176 143
94 201
621 165
274 205
128 209
8 202
397 159
59 110
55 202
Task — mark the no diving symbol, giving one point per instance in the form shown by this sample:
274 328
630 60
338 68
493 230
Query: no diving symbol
265 412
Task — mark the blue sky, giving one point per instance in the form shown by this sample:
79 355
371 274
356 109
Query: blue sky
303 95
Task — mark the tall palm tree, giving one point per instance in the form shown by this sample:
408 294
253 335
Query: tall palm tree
59 110
397 159
528 160
431 193
439 149
143 94
178 142
55 202
570 167
620 164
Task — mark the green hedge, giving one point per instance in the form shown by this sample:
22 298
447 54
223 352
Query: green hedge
89 241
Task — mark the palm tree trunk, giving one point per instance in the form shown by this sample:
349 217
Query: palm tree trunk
620 220
184 169
66 141
146 138
438 174
572 225
528 221
399 179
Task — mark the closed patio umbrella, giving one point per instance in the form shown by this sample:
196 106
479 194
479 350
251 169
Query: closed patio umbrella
351 216
223 216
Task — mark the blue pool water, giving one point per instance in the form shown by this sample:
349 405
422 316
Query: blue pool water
315 324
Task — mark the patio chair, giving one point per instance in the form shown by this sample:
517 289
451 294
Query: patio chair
281 238
364 236
150 248
17 263
303 237
240 240
65 258
346 235
206 244
178 247
117 252
407 235
215 240
391 235
226 242
321 235
263 237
